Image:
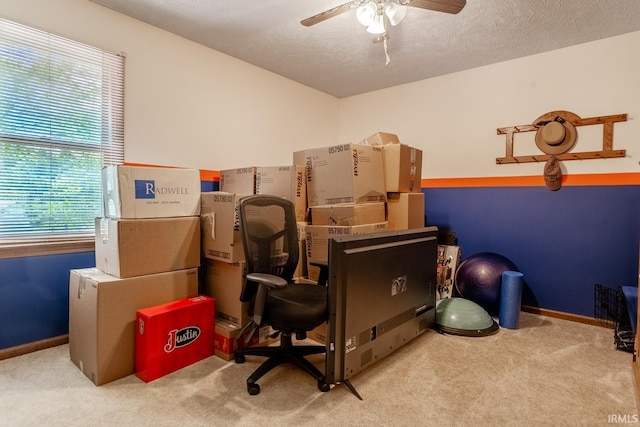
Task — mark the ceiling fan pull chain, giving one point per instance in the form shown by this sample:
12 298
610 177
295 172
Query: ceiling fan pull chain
386 51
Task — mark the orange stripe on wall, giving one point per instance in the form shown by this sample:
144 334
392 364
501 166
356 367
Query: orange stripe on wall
630 178
533 181
207 175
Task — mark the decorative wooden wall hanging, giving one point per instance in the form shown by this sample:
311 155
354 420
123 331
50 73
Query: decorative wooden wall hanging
607 138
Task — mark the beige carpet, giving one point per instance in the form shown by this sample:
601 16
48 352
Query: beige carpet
548 372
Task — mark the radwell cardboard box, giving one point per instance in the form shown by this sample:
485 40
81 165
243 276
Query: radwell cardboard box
224 282
402 168
405 210
147 192
135 247
221 239
102 315
241 180
348 173
348 214
173 335
285 181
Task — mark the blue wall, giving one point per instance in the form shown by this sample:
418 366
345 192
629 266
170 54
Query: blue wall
564 241
34 293
34 296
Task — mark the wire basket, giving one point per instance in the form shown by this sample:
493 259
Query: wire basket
611 310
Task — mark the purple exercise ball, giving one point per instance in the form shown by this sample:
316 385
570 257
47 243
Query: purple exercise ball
479 279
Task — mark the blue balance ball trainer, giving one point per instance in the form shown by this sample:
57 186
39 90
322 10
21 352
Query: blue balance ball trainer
479 279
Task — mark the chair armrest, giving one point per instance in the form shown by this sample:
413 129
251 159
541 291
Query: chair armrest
268 280
264 283
323 278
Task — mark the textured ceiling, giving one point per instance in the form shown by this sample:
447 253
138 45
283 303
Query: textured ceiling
338 56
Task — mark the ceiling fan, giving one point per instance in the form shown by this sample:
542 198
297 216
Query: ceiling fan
446 6
378 15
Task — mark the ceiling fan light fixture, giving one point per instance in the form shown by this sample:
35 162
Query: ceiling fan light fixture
395 12
377 26
366 12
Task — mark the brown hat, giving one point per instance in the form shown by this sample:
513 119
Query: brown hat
553 174
555 136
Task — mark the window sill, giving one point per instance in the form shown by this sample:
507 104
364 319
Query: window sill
37 249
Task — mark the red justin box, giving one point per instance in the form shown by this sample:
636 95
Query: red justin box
174 335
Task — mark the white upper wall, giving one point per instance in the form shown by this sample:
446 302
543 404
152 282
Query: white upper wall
454 118
187 105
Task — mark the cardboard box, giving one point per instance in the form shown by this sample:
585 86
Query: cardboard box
405 210
319 334
221 239
102 316
449 258
147 192
173 335
285 181
135 247
301 269
348 214
382 138
302 234
348 173
224 282
227 339
318 238
402 168
241 180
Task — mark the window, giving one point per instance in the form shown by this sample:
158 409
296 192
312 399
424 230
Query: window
61 121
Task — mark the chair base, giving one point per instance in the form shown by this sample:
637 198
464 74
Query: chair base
286 352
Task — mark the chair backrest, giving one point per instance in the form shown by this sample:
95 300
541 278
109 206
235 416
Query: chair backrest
269 235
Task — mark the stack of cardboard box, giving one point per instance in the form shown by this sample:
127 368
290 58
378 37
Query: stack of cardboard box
345 195
147 253
403 176
225 267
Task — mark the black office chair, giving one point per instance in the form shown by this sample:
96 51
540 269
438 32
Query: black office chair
270 238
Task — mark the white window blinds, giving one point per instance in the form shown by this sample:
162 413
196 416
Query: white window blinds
61 121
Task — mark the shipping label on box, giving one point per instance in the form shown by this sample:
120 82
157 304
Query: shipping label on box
135 247
224 282
102 316
221 239
348 173
402 168
348 214
173 335
288 182
148 192
240 181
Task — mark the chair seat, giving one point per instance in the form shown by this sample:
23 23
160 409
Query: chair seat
297 307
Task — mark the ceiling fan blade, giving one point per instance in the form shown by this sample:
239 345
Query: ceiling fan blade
446 6
326 14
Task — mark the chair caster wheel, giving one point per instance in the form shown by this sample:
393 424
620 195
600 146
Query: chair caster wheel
239 358
253 389
323 387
